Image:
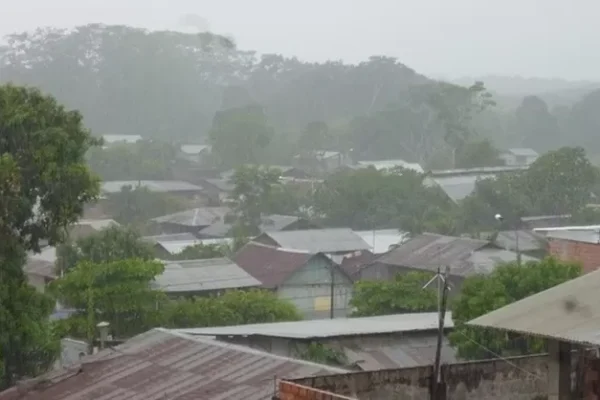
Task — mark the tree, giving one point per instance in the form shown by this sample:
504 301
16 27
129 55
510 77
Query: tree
508 283
135 206
561 181
253 186
118 292
44 184
536 127
478 153
235 307
314 137
202 251
114 243
240 135
404 294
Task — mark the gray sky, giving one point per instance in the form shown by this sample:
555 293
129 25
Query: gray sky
443 38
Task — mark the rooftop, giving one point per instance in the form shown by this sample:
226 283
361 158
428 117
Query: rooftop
203 275
274 222
465 256
177 246
457 187
170 237
97 224
527 240
163 364
568 312
193 149
523 151
389 164
318 240
195 217
153 186
328 328
383 240
592 236
270 265
109 139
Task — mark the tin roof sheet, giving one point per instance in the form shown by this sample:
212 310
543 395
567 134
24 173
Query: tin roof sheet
319 240
568 312
328 328
163 364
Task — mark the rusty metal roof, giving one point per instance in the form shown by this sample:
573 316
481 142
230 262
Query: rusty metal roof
162 364
568 312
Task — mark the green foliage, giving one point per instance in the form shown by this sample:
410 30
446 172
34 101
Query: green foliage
44 183
145 160
322 354
253 188
506 284
202 251
110 244
135 206
232 308
240 135
367 198
119 292
478 153
404 294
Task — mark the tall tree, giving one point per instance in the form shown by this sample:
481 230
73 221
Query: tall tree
44 183
240 135
536 127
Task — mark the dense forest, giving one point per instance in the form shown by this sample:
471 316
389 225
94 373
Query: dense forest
169 85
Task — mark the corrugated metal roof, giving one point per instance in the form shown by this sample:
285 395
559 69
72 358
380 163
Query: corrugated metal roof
121 138
162 364
203 275
170 237
270 265
568 228
527 240
98 224
221 184
407 352
273 222
193 149
568 312
153 186
390 164
457 187
195 217
464 256
523 151
319 240
383 240
576 236
177 246
328 328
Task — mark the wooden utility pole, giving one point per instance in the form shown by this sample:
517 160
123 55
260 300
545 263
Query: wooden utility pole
442 301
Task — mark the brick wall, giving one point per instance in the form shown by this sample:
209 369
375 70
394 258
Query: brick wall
588 254
294 391
521 378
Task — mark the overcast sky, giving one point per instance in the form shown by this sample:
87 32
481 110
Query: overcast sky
442 38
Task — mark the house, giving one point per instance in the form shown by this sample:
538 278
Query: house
120 139
519 156
179 188
330 241
383 240
320 160
270 223
368 343
391 164
311 281
203 277
40 268
167 249
567 315
165 364
579 244
170 237
428 252
460 183
217 190
196 153
191 221
86 227
524 241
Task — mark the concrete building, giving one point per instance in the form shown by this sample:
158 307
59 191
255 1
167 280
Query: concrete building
580 245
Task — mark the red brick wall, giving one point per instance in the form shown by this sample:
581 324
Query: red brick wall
293 391
588 254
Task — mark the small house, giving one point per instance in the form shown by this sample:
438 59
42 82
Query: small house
519 156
